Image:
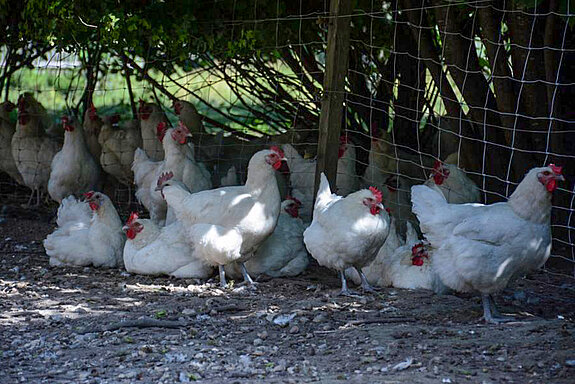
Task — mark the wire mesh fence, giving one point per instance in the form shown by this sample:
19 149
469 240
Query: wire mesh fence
483 85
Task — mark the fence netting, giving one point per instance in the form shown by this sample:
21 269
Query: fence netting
485 86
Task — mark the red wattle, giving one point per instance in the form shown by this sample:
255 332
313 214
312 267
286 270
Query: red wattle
374 210
130 234
438 178
417 260
551 185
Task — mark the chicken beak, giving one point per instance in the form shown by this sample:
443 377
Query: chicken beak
158 188
560 178
380 206
125 228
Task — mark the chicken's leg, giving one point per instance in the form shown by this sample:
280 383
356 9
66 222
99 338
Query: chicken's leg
496 314
490 313
345 291
364 283
247 279
30 199
223 282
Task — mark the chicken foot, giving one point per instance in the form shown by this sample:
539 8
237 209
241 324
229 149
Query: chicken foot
247 278
29 204
223 282
364 283
345 291
490 312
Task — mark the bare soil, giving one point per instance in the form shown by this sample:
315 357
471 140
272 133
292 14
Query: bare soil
66 325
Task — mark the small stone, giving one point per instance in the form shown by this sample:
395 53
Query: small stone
258 341
184 377
263 335
570 363
319 318
294 329
279 368
189 311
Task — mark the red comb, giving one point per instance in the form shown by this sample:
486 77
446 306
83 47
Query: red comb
165 177
65 119
278 150
377 194
415 249
133 217
288 197
436 165
556 169
141 102
88 195
343 139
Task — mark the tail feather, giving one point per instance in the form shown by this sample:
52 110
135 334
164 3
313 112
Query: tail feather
324 194
72 210
411 234
429 206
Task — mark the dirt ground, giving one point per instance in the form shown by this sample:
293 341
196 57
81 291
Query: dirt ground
57 325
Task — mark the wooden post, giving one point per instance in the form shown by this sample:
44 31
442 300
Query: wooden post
336 63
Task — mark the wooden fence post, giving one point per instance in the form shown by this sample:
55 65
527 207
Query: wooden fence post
336 62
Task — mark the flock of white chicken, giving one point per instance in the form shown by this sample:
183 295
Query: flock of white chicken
371 235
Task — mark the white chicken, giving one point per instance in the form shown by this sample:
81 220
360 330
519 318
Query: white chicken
86 238
7 163
453 183
32 149
92 125
230 223
74 170
118 146
302 175
482 248
179 159
151 250
150 115
283 253
402 264
347 231
231 178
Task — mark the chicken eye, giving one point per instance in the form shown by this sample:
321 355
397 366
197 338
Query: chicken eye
546 173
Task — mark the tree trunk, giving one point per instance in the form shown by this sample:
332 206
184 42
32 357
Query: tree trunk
457 32
526 33
410 89
471 153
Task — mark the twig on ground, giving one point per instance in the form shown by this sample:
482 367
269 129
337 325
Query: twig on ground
139 323
226 308
382 320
